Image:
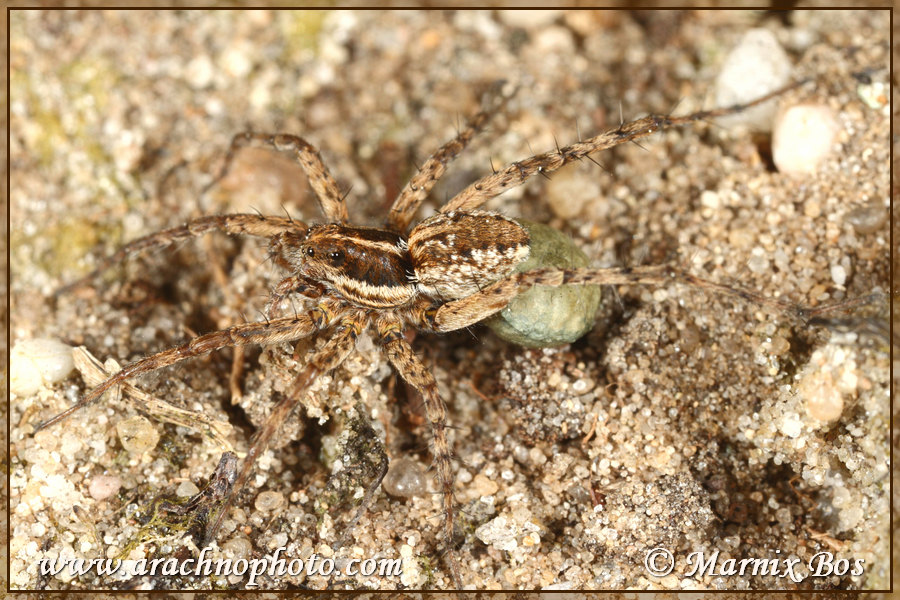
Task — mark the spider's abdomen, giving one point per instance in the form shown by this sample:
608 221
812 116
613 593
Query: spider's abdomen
458 253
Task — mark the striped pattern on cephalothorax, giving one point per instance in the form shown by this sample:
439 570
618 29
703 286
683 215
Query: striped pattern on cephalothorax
366 266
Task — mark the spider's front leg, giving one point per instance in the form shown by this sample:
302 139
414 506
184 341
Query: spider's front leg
413 371
324 360
264 332
331 202
256 225
518 172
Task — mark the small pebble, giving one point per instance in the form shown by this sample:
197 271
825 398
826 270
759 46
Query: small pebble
187 489
756 66
710 199
500 533
104 486
404 479
33 363
483 486
70 445
803 136
758 261
137 434
239 547
827 405
838 275
874 94
269 501
869 218
200 72
236 60
791 425
830 375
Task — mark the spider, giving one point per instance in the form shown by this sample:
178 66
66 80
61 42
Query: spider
448 272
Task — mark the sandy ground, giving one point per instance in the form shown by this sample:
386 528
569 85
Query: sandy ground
683 420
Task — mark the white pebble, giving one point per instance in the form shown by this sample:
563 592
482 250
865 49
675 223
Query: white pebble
756 66
874 94
200 72
236 60
758 261
33 363
555 40
238 546
803 136
269 501
104 486
838 274
187 489
791 425
70 445
710 199
499 532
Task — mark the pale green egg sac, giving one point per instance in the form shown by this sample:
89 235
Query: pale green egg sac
544 317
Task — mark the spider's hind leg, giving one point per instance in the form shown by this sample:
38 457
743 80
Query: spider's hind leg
472 309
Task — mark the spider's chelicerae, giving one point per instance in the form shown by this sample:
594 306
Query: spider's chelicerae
448 272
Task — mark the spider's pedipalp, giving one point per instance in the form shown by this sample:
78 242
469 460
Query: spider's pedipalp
518 172
246 224
292 285
328 194
417 189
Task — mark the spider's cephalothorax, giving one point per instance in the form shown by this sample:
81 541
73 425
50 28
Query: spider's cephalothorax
453 270
447 257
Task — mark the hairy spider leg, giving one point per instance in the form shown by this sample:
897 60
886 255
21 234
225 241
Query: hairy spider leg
472 309
401 355
327 191
417 189
256 225
518 172
262 332
325 359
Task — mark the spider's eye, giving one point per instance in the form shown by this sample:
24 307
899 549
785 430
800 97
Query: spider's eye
336 256
310 252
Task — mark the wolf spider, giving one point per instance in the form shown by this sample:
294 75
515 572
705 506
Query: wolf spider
450 271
